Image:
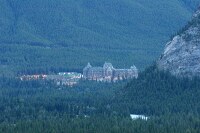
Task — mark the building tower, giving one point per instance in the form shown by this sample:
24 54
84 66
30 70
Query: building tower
108 69
85 70
134 71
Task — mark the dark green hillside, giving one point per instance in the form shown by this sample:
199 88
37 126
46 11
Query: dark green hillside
191 3
158 93
67 33
171 104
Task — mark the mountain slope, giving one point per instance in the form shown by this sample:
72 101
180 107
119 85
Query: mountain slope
192 4
158 93
182 55
90 22
81 31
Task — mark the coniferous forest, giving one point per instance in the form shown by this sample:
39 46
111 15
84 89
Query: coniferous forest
171 104
38 36
52 36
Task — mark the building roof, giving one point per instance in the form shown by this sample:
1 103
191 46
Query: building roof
134 67
107 65
88 66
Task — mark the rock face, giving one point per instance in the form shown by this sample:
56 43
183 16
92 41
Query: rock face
181 56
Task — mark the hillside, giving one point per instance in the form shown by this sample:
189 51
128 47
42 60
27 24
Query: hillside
181 56
156 93
171 104
45 35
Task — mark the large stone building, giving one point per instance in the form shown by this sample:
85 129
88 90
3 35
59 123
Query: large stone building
108 73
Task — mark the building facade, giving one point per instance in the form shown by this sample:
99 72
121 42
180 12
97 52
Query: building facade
108 73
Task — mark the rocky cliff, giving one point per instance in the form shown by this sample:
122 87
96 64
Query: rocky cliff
181 56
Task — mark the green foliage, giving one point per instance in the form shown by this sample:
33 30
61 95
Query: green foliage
159 93
25 59
25 100
36 39
66 34
108 124
193 4
171 104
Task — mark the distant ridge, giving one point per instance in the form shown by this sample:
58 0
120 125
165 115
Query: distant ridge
53 35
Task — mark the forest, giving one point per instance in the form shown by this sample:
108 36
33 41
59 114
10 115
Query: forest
34 39
172 105
40 36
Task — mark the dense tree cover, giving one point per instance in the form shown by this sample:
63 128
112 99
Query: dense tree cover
36 39
193 4
194 22
44 35
27 99
105 124
92 23
24 59
171 104
158 93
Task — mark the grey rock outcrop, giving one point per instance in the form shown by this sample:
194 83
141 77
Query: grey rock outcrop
181 56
